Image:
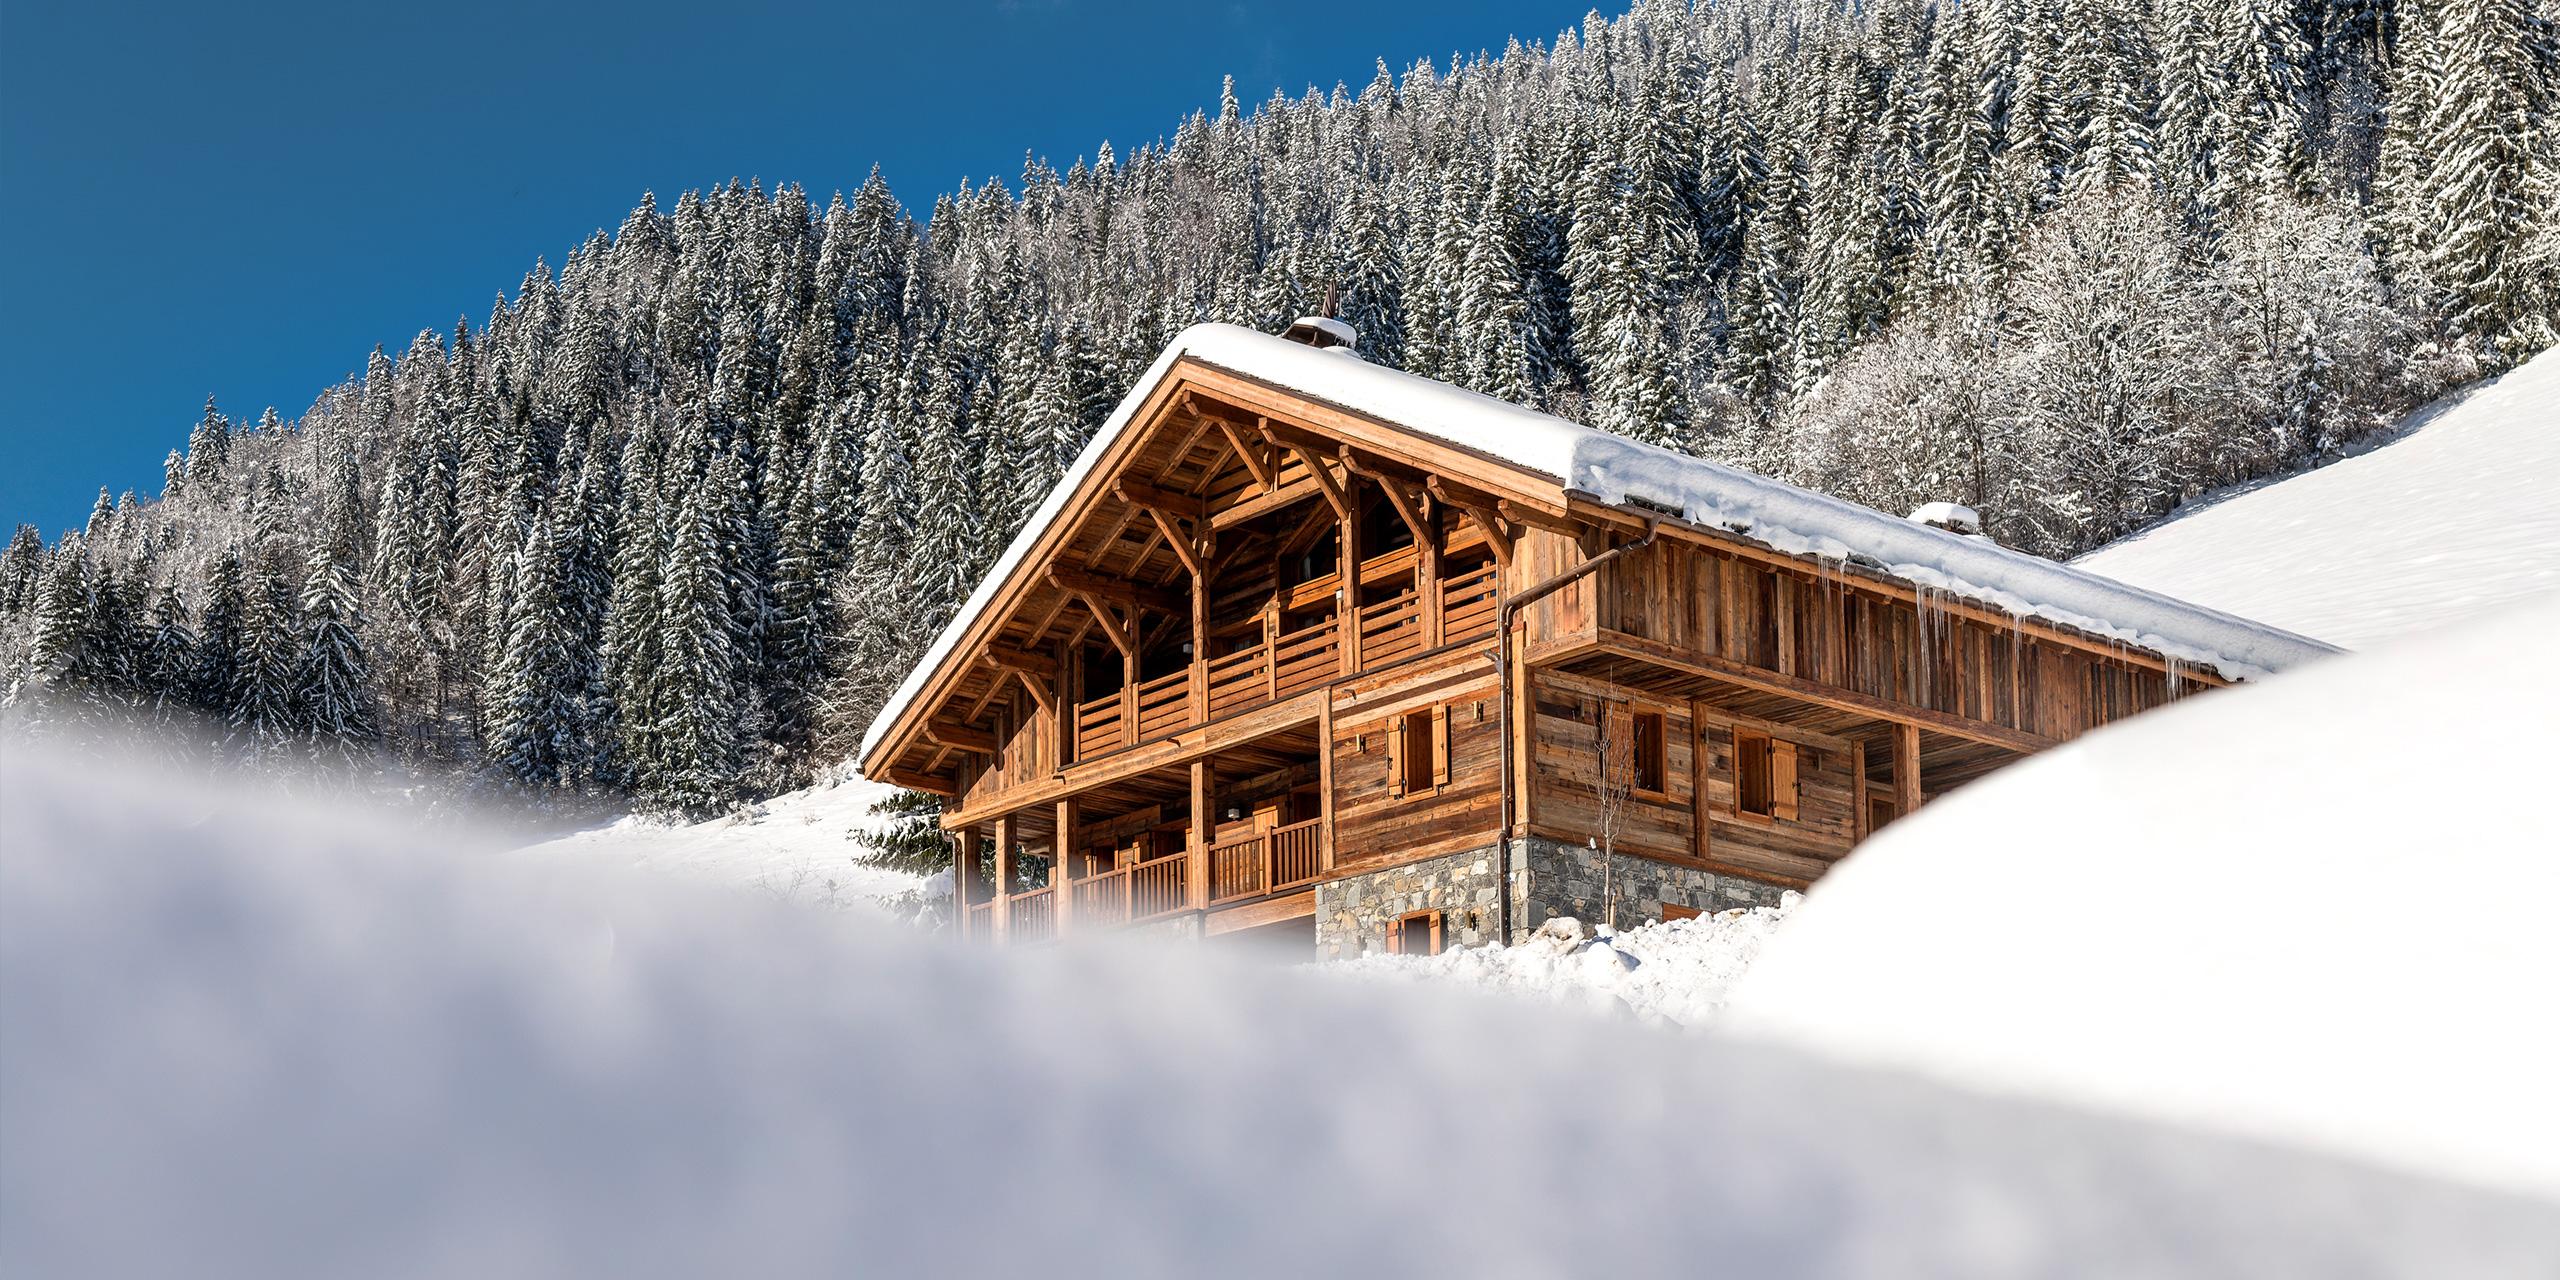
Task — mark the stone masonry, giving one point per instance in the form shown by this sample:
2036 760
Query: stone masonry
1552 879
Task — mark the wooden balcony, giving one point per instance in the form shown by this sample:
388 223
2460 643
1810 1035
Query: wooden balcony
1133 894
1284 858
1264 864
1256 676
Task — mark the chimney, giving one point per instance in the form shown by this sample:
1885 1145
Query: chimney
1324 333
1954 517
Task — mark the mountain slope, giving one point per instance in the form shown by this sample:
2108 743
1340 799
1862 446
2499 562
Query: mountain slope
2456 515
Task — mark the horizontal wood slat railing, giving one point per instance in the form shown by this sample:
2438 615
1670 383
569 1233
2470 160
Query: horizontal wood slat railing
1304 659
1467 603
1164 704
1237 681
1097 726
1390 630
1284 858
1031 917
1285 666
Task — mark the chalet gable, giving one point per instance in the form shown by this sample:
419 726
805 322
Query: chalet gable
1237 447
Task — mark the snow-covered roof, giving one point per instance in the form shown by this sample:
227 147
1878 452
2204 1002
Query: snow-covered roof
1619 471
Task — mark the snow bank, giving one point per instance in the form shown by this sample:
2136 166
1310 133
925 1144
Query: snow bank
1614 469
1672 972
798 846
246 1040
2318 910
2456 516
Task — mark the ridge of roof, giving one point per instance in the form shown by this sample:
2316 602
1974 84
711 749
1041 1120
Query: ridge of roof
1622 472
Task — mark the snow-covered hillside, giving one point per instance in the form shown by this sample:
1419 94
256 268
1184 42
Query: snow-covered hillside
246 1039
2457 514
2318 910
798 846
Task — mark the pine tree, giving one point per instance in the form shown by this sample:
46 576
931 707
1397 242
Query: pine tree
702 698
264 698
334 697
21 566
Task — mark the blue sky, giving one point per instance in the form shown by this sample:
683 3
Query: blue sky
243 200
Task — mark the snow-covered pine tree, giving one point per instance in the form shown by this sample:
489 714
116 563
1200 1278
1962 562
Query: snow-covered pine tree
700 696
334 696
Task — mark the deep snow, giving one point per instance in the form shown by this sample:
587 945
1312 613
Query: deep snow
2318 910
1672 972
243 1038
798 846
2456 515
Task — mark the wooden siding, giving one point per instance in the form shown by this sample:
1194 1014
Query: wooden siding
1565 768
1828 793
1373 826
1927 653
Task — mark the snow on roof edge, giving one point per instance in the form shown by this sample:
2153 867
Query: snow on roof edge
1614 470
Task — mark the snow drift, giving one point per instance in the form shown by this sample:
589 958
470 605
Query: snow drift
2318 910
2456 515
247 1040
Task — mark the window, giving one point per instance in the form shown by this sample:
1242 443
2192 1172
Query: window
1418 751
1414 934
1764 776
1648 752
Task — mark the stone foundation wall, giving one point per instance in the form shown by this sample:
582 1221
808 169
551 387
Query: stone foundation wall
1352 913
1550 879
1573 880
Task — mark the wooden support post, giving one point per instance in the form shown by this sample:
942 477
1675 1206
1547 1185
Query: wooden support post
1003 897
1906 769
959 881
1700 824
1347 564
1129 697
1062 863
1199 694
1324 777
1197 873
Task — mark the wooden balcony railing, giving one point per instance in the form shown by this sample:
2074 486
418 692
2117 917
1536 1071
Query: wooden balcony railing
1098 726
1132 894
978 920
1467 603
1164 704
1285 858
1390 630
1031 917
1303 659
1240 680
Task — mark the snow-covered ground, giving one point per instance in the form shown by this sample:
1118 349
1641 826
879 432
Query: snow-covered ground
798 846
2319 910
243 1038
2458 514
1673 972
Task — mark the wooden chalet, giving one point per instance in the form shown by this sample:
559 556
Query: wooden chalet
1300 640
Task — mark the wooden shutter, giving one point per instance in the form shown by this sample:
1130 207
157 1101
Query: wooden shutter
1439 746
1395 756
1435 933
1782 781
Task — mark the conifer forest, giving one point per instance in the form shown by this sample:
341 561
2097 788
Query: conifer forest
672 519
